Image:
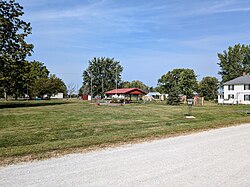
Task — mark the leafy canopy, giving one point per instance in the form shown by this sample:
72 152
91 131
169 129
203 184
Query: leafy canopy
176 82
234 62
13 47
182 81
135 84
48 86
102 73
208 88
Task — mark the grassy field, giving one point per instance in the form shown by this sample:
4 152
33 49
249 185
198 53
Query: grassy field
41 129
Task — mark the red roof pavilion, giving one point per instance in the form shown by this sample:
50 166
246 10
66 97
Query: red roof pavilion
128 91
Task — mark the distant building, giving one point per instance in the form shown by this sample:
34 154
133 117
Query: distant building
125 93
155 96
236 91
86 97
55 96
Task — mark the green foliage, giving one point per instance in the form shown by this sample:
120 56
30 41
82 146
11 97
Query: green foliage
135 84
173 98
101 73
234 62
13 47
208 88
178 81
170 81
188 83
48 86
36 70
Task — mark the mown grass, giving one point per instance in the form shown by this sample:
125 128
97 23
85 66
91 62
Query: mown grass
39 129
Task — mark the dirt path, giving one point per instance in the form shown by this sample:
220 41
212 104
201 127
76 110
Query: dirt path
218 157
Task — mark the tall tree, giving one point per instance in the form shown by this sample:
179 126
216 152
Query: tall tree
178 81
188 82
234 62
36 70
208 88
102 74
170 81
13 47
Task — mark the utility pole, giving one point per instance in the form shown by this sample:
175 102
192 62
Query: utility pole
91 85
116 78
102 83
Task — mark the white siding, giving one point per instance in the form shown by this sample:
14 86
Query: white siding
238 93
57 96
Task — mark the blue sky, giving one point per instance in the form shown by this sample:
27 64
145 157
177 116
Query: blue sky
148 37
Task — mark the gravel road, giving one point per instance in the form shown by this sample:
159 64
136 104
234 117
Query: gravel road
213 158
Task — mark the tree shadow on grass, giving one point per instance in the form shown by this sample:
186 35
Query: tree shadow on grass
29 104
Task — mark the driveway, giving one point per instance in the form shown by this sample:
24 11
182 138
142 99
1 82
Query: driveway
218 157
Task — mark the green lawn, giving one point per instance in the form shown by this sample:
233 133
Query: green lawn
40 129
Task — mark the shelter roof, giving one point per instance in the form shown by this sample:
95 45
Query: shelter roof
132 91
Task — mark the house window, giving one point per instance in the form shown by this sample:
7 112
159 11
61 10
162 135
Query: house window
246 97
246 86
230 87
230 96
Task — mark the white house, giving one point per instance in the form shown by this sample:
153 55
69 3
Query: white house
236 91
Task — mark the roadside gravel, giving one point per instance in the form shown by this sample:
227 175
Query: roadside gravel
218 157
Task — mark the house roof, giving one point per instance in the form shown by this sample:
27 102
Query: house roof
239 80
132 91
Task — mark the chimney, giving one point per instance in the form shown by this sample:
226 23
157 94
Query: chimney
244 73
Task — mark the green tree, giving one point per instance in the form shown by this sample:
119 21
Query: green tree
208 88
40 87
48 86
13 47
178 81
170 81
173 98
102 73
234 62
36 70
188 83
135 84
56 85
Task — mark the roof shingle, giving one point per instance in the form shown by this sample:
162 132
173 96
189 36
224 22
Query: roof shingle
239 80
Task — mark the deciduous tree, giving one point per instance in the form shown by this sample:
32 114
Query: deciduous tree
135 84
48 86
102 74
208 88
178 81
71 88
234 62
13 47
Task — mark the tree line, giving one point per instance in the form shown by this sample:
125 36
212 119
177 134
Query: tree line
18 76
105 74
